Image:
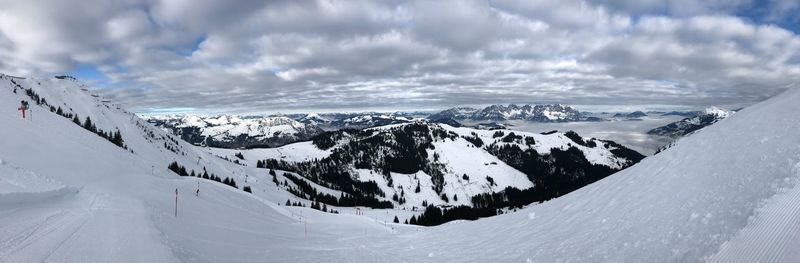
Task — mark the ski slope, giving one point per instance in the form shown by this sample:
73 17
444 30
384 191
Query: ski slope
725 194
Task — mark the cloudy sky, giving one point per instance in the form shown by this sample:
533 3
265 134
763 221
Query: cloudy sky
300 56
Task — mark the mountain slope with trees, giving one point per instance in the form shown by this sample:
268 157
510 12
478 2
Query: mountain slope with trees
422 164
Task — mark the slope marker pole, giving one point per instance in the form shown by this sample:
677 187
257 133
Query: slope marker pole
176 202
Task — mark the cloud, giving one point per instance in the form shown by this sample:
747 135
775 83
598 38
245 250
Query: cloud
250 56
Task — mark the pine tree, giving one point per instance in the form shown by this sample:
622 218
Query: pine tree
396 220
117 139
417 190
76 120
88 124
288 203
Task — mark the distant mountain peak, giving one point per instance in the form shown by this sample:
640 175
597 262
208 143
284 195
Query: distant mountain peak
232 131
713 110
690 125
500 112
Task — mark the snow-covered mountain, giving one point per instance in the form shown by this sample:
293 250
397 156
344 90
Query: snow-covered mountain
367 120
412 165
314 119
457 113
228 131
69 194
689 125
356 120
541 113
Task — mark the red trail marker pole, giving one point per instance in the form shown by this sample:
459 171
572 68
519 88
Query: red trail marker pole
176 202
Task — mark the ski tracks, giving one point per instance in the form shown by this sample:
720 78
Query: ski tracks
81 228
37 233
772 234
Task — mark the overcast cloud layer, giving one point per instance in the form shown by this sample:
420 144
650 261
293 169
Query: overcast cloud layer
251 56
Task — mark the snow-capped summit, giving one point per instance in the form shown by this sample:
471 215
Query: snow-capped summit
457 113
541 113
314 118
230 131
719 112
689 125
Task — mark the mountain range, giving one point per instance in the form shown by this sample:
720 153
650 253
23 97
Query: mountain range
84 180
539 113
236 132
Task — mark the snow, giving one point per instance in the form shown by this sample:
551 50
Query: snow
545 143
225 127
632 134
16 180
720 113
461 157
295 152
728 193
314 118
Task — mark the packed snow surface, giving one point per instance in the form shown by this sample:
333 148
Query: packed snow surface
726 194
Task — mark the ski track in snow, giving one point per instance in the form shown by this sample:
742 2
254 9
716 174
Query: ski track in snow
773 233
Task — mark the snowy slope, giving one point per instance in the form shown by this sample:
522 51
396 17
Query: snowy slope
79 198
728 193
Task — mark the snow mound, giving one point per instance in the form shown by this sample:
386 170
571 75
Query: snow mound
18 180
